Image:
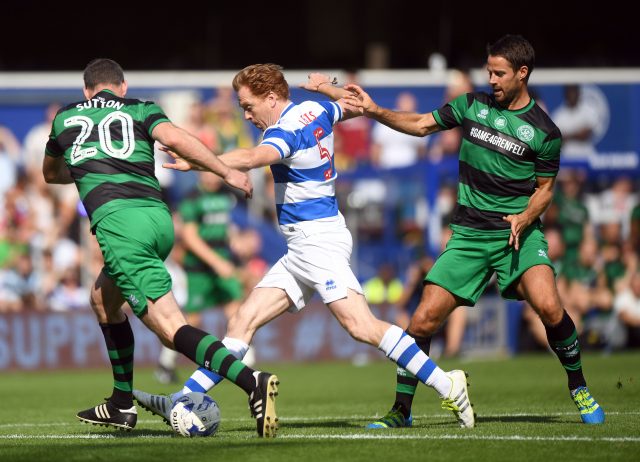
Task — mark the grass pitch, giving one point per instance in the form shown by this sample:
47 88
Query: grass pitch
523 406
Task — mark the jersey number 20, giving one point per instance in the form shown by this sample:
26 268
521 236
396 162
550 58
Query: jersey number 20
78 152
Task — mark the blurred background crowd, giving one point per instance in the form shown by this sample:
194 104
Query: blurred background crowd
398 217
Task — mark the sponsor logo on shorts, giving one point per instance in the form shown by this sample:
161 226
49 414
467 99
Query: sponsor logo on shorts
133 300
542 253
330 284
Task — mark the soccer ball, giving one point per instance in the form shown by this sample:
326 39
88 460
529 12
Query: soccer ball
195 414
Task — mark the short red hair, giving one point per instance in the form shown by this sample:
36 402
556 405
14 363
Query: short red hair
261 79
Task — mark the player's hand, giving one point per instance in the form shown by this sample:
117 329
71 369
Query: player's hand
317 79
360 99
518 223
239 180
179 164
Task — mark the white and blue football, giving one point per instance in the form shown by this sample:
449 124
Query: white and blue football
195 414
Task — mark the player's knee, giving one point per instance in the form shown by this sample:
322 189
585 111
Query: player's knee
551 315
424 325
98 308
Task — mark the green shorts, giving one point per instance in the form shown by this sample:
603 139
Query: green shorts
135 242
471 257
208 290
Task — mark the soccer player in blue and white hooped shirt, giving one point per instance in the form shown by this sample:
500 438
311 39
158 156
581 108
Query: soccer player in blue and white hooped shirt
298 145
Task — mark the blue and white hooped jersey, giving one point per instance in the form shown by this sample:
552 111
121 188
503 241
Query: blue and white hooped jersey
305 177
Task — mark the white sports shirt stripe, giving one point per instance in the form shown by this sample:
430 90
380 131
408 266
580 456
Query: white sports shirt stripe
304 138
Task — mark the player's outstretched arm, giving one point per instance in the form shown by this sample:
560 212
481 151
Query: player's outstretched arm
325 85
411 123
189 148
247 159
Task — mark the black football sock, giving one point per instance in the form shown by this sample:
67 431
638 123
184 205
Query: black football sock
209 352
120 345
563 340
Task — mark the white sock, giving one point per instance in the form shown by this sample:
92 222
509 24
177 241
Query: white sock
236 346
402 348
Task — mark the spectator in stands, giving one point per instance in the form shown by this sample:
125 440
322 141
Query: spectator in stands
64 197
634 230
587 284
47 278
223 114
246 245
352 142
615 204
627 309
35 138
577 121
391 148
570 214
9 151
18 286
447 143
10 145
69 295
612 254
383 288
197 124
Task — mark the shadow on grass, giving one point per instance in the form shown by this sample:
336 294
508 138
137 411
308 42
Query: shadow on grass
521 418
323 424
426 424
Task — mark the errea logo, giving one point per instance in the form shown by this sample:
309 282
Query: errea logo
483 113
330 284
133 300
542 253
525 132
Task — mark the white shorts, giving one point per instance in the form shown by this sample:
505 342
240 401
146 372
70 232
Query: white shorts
320 263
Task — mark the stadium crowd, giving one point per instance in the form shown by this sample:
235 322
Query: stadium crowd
48 259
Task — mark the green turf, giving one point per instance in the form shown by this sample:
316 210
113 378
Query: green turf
523 406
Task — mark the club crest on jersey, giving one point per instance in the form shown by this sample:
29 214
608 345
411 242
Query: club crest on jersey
525 132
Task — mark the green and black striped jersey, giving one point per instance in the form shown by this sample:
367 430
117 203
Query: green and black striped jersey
107 146
501 154
211 211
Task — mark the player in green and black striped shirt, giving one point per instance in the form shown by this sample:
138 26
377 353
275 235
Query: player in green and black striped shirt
509 159
212 279
105 144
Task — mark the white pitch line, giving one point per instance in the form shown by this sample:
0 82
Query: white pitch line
622 439
630 439
72 437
